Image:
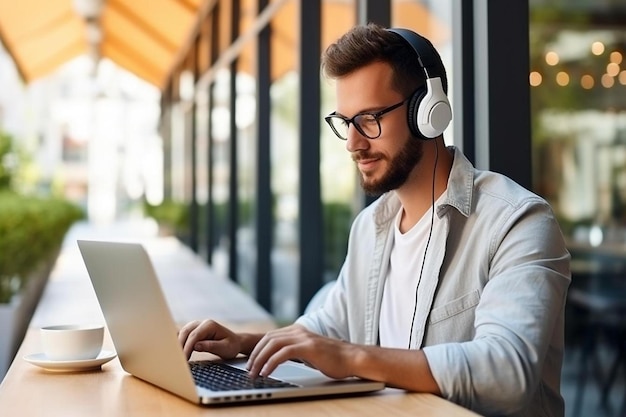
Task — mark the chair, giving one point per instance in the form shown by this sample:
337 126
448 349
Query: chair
599 301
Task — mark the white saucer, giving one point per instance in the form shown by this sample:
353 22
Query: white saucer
40 359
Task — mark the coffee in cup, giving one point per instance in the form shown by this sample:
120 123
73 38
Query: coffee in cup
72 342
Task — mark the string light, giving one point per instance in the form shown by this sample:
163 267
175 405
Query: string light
587 82
535 79
552 58
607 81
616 57
612 69
597 48
562 78
613 75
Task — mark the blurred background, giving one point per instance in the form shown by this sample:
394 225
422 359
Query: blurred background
204 118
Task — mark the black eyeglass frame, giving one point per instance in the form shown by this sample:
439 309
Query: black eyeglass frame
375 115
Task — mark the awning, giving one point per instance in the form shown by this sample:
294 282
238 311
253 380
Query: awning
142 36
150 38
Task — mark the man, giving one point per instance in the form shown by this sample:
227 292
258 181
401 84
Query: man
455 279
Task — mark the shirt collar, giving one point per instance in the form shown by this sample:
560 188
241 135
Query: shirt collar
459 191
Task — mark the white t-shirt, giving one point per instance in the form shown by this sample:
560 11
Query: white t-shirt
405 264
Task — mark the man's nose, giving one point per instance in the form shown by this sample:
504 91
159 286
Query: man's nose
355 140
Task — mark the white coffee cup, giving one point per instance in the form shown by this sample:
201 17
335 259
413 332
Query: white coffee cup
72 342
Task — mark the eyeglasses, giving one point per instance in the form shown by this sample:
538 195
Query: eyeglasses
366 123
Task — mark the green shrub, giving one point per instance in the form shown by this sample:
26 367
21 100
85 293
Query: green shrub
337 220
174 215
6 170
31 229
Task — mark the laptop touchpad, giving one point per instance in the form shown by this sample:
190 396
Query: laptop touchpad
299 374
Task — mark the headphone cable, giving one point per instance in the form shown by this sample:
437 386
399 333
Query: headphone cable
430 233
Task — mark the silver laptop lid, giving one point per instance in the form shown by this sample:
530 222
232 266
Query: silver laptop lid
137 315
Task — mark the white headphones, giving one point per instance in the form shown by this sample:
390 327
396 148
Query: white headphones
429 111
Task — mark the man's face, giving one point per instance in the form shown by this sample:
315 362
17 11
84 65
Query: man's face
385 163
399 167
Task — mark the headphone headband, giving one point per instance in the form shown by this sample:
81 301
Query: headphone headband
429 111
427 56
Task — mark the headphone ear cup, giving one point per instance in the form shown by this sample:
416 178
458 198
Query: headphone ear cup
412 112
433 113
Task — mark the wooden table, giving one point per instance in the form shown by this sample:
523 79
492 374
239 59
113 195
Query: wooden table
31 391
193 291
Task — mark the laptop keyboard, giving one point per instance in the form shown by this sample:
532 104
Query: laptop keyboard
217 376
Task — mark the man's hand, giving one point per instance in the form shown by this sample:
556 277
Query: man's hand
210 336
400 368
331 356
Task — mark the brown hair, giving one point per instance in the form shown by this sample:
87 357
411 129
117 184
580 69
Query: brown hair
365 44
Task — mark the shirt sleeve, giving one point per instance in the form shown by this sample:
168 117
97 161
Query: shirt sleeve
516 321
331 319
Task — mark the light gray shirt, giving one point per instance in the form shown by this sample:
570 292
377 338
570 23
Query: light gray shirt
490 303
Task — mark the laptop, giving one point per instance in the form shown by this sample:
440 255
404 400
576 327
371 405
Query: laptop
145 337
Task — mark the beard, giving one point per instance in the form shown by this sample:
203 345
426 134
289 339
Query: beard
400 166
